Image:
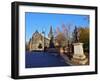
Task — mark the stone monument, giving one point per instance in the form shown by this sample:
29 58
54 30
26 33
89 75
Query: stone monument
51 48
79 57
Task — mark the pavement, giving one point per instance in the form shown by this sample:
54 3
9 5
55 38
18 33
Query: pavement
66 59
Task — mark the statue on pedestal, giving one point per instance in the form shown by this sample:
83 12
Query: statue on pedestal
76 35
78 56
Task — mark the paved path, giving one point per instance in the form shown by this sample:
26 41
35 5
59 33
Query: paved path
43 59
66 59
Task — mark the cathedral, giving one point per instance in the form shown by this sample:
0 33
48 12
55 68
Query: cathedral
39 42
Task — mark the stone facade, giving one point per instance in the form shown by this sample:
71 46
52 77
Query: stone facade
38 42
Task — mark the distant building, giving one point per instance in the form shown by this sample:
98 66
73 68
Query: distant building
37 42
50 35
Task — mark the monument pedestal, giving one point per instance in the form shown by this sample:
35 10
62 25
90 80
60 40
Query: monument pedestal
79 57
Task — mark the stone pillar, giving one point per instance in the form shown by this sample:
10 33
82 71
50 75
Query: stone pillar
79 56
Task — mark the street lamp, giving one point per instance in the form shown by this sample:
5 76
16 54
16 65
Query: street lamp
43 31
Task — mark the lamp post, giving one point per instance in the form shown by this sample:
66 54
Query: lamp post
44 38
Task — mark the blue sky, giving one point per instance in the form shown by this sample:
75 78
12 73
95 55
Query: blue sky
43 21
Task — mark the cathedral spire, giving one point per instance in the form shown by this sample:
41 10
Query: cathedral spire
50 35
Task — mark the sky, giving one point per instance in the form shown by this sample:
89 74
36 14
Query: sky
43 21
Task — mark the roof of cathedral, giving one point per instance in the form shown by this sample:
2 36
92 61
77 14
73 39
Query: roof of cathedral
39 34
